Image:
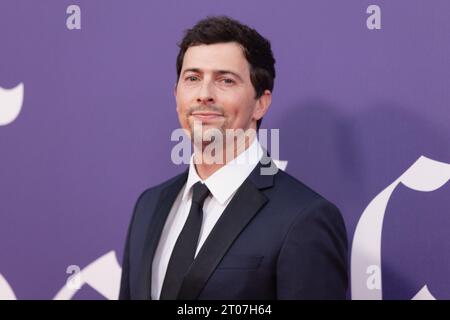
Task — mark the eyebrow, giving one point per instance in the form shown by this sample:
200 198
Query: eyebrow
197 70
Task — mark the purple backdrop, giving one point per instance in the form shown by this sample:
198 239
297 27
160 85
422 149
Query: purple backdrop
355 107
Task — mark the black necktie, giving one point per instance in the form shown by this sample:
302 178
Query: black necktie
183 253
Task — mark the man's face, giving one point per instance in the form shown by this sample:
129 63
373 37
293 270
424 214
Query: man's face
215 89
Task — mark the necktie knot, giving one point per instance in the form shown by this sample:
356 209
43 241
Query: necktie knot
200 192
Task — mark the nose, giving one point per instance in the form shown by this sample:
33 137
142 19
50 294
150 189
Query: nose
205 94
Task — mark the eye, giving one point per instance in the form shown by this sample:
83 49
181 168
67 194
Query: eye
191 78
227 81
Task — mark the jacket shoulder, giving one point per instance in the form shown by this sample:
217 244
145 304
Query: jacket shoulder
294 189
153 191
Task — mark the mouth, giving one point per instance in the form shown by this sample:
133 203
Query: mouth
205 116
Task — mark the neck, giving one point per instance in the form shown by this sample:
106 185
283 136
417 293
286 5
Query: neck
206 165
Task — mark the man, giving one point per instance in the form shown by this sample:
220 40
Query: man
227 229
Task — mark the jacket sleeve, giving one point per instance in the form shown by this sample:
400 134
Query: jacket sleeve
125 291
312 263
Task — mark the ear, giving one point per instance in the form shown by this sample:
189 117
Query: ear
262 105
175 90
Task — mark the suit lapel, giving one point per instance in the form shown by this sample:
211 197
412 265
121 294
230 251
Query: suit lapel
165 202
246 203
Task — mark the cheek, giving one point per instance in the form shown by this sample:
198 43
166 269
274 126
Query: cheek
242 109
181 102
235 103
185 98
181 108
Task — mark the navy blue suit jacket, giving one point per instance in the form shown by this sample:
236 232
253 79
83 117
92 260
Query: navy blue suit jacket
277 239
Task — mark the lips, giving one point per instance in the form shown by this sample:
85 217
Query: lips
202 115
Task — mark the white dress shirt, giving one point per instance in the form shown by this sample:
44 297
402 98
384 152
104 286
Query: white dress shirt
223 184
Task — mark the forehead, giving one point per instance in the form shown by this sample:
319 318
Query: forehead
218 56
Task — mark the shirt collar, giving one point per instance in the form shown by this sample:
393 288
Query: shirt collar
225 181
